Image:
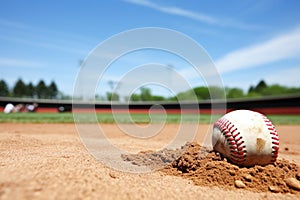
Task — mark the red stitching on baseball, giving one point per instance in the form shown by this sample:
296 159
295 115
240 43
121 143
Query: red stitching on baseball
274 136
238 152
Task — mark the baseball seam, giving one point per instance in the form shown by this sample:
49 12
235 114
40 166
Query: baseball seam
238 152
274 136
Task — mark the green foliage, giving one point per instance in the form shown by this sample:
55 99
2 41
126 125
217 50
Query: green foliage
294 90
42 91
260 86
186 96
112 96
213 92
52 90
19 89
30 90
262 89
253 95
146 96
274 90
235 93
4 91
135 97
202 93
157 98
216 92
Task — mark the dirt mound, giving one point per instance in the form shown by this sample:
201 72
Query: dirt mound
155 159
208 168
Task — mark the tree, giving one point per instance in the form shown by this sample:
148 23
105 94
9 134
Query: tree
294 90
4 91
235 93
52 90
216 92
30 90
256 91
251 89
275 90
157 98
191 95
42 90
135 97
19 89
260 86
145 94
112 96
202 93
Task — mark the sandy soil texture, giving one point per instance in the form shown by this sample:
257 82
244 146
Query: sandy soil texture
49 161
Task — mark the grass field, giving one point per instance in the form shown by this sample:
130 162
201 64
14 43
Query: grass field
122 118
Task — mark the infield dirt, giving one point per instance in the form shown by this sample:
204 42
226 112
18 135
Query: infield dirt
48 161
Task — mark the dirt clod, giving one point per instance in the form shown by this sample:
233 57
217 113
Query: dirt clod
298 176
239 184
113 175
247 177
293 183
274 189
207 168
286 148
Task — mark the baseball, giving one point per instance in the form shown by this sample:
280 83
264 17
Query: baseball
246 138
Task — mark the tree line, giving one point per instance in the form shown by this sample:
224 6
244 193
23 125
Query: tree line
206 93
41 90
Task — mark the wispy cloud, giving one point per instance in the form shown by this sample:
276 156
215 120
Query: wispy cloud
12 62
198 16
12 24
175 11
45 38
46 45
282 47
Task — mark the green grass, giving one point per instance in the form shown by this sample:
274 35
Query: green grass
285 119
37 117
122 118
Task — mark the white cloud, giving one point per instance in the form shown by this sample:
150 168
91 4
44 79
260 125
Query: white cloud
46 45
279 48
11 62
202 17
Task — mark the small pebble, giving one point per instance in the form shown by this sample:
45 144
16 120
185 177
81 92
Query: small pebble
274 189
298 176
231 172
210 165
235 167
285 168
239 184
260 168
112 175
248 177
293 183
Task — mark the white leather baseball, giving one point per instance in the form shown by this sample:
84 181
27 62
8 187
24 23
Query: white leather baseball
246 138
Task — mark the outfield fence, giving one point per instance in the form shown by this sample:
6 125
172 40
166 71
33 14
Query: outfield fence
268 105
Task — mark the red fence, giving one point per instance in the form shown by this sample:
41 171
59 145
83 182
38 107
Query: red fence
273 105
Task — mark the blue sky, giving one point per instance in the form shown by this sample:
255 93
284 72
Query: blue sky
248 40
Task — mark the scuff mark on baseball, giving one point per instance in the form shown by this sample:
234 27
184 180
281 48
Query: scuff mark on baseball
246 138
